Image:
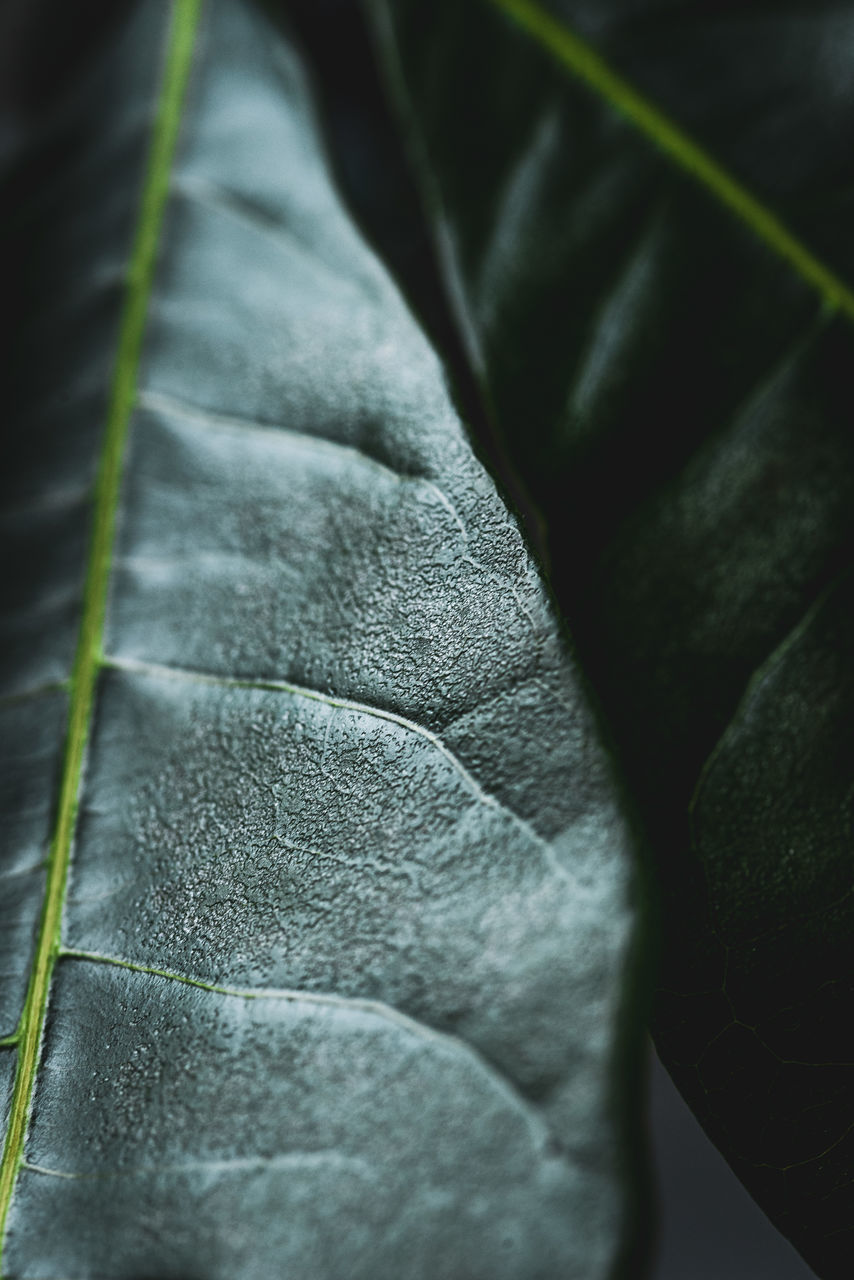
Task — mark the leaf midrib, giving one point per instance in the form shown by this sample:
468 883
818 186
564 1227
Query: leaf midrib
89 658
585 64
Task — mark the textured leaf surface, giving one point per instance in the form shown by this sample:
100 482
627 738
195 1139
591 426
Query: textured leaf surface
672 379
340 982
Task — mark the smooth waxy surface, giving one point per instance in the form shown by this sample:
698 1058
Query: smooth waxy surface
348 924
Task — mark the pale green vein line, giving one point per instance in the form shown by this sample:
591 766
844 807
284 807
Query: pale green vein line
287 995
579 58
480 794
360 1004
88 657
287 1160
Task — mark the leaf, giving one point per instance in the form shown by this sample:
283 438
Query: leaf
337 927
645 235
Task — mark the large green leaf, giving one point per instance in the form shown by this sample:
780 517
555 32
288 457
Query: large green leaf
643 215
327 972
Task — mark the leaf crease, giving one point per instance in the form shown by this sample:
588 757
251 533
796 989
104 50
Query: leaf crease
484 797
372 1008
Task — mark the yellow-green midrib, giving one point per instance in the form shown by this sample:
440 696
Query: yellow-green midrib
176 69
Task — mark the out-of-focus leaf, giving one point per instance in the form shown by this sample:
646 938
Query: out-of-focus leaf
337 924
643 213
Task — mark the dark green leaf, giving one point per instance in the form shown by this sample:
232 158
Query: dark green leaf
643 213
337 934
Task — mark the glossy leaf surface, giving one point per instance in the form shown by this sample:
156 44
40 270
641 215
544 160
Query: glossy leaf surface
339 984
644 228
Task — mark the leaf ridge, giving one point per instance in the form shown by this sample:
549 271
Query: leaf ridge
325 446
768 664
87 662
583 62
483 796
221 199
362 1004
285 1159
211 419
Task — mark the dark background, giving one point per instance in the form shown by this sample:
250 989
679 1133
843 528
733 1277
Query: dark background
710 1228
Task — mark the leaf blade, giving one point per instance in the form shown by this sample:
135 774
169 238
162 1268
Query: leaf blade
301 663
83 676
